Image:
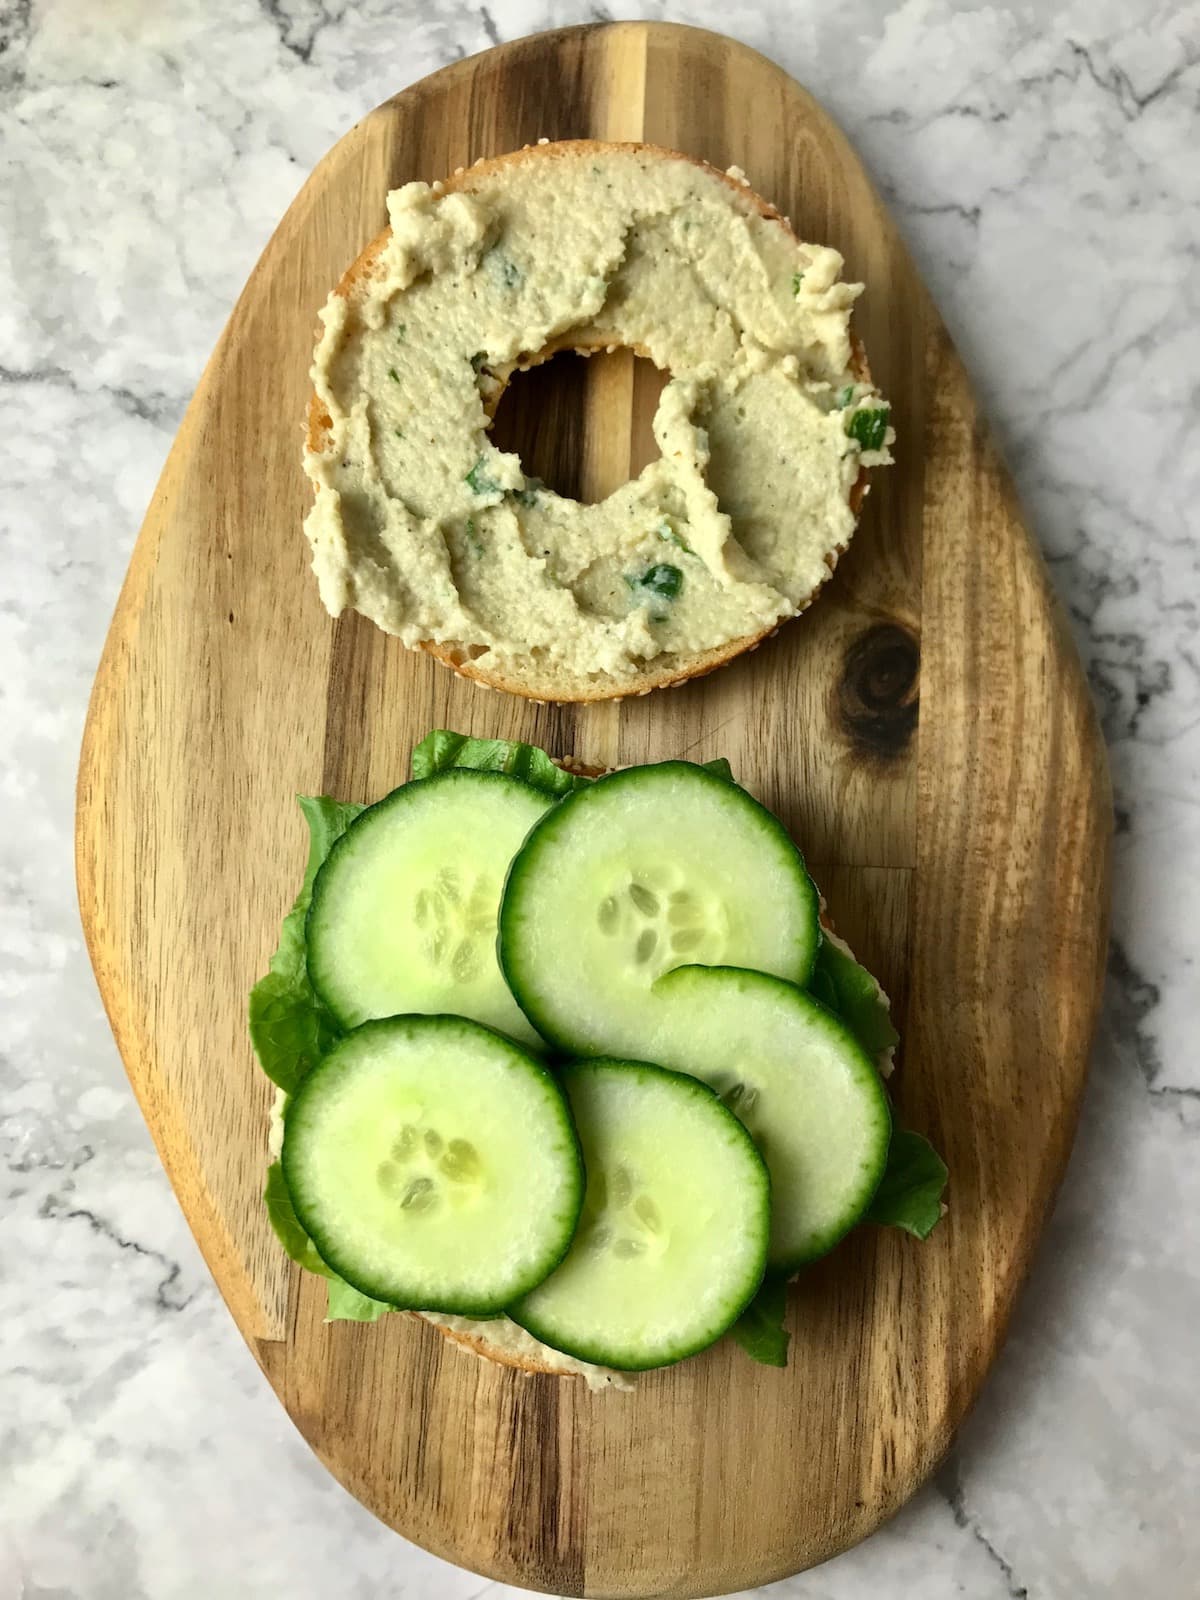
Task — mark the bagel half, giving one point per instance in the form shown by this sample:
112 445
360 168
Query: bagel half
527 676
499 1340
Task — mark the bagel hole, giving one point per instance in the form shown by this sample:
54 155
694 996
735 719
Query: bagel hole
582 424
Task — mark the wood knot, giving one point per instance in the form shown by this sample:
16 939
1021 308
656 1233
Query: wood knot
877 693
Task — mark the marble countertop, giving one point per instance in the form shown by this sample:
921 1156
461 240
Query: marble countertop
1042 163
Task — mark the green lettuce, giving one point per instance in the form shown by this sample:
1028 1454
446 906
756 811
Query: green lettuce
910 1193
869 426
909 1197
441 750
720 768
289 1027
291 1030
760 1330
847 988
287 1225
346 1304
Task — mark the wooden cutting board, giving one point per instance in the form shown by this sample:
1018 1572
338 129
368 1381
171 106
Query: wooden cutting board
925 731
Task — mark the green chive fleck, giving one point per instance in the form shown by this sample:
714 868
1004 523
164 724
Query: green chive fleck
478 481
869 427
662 580
393 375
845 397
402 330
797 280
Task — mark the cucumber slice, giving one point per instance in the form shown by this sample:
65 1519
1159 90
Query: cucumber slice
434 1165
403 914
640 872
799 1080
672 1239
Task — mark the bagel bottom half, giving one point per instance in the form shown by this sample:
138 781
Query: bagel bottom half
499 1340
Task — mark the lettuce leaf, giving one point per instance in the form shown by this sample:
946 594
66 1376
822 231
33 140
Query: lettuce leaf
345 1303
760 1330
910 1193
908 1197
289 1230
839 982
720 768
441 750
291 1030
289 1027
349 1305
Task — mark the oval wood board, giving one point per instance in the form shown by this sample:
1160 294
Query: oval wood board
964 852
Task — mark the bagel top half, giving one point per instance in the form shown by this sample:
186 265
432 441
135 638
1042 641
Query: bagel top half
765 424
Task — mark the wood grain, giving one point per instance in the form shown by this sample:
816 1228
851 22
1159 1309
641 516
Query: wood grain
925 732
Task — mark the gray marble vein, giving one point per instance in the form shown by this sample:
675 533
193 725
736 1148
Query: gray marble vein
1042 164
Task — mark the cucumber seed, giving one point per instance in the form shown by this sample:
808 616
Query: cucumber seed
461 1162
419 1196
405 1143
448 883
642 898
465 962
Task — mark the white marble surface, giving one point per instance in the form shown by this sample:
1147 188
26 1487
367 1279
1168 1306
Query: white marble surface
1042 163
